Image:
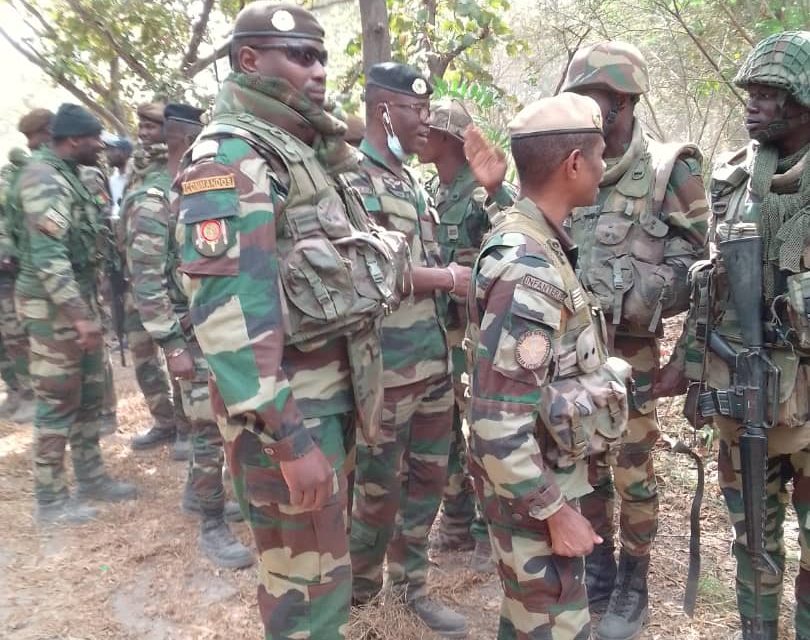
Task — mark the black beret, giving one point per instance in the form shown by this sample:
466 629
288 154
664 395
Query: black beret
73 121
402 78
262 19
183 113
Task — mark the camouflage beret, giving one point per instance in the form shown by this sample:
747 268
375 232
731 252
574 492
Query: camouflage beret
450 115
615 66
35 121
564 113
180 112
400 78
74 121
262 19
781 60
152 111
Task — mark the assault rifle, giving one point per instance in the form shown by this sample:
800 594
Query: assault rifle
757 381
118 288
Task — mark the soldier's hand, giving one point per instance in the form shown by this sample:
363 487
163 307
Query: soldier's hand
487 162
309 479
89 334
180 364
571 533
461 280
670 382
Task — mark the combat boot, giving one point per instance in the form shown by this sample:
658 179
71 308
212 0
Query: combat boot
481 560
627 609
182 447
221 546
191 505
64 511
769 627
26 407
438 618
600 576
105 489
154 437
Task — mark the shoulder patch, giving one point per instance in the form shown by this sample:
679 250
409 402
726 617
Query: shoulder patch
211 183
533 349
204 149
546 288
53 223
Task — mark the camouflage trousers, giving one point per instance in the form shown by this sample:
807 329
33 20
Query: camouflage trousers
460 515
398 488
629 468
305 575
68 384
109 404
157 389
13 339
205 464
544 594
782 469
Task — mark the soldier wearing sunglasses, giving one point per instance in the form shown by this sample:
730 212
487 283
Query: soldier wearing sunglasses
264 234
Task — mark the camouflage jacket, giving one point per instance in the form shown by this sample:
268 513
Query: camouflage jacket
8 177
647 229
230 226
544 394
59 234
463 222
414 342
152 257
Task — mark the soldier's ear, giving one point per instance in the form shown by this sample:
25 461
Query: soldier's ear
246 58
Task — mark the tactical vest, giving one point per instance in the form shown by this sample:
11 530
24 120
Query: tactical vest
624 243
338 272
786 326
84 237
579 355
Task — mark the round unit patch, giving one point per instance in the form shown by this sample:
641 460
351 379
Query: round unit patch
533 350
211 238
283 20
210 231
419 87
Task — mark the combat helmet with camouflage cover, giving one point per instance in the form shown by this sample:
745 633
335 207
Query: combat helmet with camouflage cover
450 116
614 66
781 60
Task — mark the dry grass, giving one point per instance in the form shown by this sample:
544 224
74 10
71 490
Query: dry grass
135 573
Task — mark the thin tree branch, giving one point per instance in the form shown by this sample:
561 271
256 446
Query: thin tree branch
46 26
201 63
735 23
58 77
654 117
126 54
197 33
571 54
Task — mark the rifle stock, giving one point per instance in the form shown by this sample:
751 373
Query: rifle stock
756 375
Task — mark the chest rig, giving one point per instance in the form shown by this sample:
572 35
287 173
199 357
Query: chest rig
337 271
624 243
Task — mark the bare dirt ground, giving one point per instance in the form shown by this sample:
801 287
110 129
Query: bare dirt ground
136 574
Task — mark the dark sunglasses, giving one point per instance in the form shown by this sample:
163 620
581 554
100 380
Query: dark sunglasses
301 55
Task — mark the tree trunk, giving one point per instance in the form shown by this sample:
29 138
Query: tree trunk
376 37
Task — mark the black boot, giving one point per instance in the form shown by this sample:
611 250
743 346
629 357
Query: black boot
600 576
769 627
627 610
221 546
154 437
105 489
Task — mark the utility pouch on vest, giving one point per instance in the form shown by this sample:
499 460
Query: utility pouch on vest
798 309
365 362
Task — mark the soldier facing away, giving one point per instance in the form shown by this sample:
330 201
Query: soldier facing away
636 245
462 203
287 285
401 476
56 298
763 191
544 393
152 260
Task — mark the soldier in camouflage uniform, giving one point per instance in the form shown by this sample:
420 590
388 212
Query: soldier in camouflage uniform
400 477
57 222
636 245
152 258
764 190
162 395
544 393
461 202
287 285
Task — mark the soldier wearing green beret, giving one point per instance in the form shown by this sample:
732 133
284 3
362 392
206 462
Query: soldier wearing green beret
58 230
400 477
636 245
543 392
